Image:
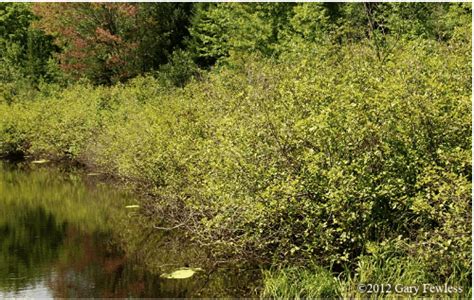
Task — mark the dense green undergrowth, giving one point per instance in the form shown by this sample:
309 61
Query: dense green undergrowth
327 155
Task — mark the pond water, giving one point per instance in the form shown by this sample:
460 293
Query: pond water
65 233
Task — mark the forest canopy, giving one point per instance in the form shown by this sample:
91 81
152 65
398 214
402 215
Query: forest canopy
109 43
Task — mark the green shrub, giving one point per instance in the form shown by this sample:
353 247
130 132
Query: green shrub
312 157
15 126
317 158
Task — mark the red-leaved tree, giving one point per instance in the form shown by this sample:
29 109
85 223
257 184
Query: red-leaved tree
111 42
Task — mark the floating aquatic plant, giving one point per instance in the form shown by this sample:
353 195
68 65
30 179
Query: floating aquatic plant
40 161
182 273
132 206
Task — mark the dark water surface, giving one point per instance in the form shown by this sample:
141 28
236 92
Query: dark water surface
65 234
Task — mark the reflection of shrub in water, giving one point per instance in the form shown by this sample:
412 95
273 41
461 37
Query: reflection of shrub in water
30 241
79 237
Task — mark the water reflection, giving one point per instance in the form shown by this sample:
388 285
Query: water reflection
63 235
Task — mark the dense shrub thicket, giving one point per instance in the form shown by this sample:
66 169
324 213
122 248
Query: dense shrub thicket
327 155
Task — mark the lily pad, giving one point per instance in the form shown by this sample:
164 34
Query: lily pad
132 206
181 273
40 161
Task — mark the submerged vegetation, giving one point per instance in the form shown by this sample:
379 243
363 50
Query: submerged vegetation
336 136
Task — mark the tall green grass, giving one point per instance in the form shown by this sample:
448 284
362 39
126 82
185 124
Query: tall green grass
387 277
300 283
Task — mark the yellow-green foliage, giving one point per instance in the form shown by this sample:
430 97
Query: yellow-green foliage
15 125
317 156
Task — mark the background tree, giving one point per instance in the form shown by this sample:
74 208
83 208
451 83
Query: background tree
161 29
96 38
24 48
218 30
25 52
111 42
